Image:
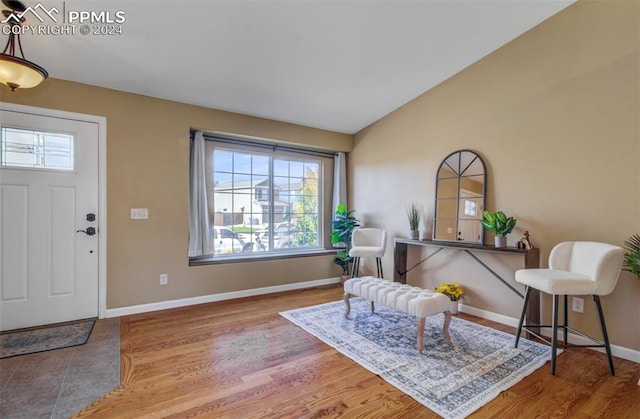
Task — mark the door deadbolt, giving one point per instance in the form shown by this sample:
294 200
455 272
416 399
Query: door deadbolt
91 217
90 231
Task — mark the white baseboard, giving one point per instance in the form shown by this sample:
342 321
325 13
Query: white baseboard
619 351
144 308
489 315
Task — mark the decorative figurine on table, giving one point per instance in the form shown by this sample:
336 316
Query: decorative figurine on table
525 243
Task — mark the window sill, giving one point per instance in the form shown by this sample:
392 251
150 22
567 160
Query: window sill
242 258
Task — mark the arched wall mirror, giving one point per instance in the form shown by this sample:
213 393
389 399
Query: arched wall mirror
460 198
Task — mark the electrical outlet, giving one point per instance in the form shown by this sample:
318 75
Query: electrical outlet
164 278
577 304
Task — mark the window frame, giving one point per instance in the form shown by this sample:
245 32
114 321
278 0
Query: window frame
273 150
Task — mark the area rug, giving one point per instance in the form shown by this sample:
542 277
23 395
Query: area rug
45 338
451 379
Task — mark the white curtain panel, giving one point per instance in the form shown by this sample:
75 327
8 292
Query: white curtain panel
339 180
339 184
200 235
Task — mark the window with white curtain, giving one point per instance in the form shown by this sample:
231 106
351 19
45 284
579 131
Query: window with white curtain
265 200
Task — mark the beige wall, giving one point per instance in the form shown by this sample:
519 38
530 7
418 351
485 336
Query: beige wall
555 116
147 167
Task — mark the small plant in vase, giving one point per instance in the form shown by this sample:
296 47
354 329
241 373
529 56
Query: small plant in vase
454 292
414 213
500 224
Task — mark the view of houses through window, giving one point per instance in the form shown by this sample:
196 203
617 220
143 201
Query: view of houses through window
264 202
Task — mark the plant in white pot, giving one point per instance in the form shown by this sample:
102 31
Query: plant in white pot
414 213
500 224
454 292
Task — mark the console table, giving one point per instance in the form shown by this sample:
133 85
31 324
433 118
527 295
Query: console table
531 260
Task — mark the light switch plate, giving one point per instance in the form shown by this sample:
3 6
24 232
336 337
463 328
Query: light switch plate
139 213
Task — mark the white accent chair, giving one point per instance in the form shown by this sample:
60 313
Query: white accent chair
367 242
575 268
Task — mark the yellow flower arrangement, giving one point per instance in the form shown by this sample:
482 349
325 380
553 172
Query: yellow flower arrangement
453 291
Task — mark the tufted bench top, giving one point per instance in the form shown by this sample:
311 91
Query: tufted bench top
415 301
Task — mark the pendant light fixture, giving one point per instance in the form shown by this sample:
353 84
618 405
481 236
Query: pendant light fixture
15 71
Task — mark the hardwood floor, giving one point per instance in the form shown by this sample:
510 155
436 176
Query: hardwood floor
240 359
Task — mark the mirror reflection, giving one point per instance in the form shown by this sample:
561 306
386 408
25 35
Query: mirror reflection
460 198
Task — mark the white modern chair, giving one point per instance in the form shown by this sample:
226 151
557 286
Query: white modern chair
367 242
575 268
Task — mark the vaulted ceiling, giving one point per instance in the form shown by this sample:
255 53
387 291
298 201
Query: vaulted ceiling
336 65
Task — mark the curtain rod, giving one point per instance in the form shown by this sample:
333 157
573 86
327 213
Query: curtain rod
272 146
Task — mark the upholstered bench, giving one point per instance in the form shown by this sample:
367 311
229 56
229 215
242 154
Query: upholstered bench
414 301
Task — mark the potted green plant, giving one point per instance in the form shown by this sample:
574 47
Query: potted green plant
414 213
632 259
343 260
500 224
343 224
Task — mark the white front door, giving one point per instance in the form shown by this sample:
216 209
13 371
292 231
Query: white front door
48 202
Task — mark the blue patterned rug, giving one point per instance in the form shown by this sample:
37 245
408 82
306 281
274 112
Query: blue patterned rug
451 379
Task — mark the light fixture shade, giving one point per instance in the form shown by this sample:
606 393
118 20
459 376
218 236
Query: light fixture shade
16 72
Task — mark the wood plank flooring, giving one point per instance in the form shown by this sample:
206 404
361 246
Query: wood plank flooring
240 359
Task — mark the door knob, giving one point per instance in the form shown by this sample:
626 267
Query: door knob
90 231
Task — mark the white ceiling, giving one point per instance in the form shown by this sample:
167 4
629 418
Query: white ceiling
336 65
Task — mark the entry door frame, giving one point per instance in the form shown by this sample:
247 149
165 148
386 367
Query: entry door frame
101 121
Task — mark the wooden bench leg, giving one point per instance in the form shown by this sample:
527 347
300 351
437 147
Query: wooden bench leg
445 326
346 303
420 333
445 330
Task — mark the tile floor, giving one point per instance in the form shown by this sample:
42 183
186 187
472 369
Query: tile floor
57 384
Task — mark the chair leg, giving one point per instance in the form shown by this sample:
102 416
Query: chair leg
354 267
565 314
554 337
524 311
379 266
596 299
